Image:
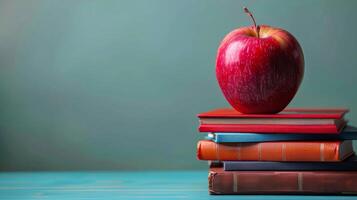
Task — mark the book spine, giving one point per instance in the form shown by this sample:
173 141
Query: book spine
301 129
266 182
289 166
269 151
255 137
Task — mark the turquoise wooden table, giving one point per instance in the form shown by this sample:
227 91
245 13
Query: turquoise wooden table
119 185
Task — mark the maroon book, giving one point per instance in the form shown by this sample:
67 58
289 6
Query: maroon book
281 182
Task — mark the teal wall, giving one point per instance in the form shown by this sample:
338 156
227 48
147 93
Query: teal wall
117 84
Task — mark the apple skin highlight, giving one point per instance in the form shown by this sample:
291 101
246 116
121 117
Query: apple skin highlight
259 70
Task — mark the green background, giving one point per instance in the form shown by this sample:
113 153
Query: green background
117 84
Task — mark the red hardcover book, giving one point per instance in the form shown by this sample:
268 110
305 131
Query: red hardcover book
281 182
319 113
296 120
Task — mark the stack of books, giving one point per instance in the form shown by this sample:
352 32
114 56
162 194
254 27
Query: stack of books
297 151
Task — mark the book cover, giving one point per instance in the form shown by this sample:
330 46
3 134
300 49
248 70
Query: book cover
348 133
314 151
350 164
281 182
295 113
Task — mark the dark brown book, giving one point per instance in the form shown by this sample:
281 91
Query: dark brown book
281 182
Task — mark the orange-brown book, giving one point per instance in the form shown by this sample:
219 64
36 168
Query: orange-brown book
319 151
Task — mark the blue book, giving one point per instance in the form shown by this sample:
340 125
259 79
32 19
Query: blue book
349 133
348 165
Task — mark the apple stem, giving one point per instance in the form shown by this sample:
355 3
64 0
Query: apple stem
257 28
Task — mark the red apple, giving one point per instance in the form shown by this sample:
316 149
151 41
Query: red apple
259 68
